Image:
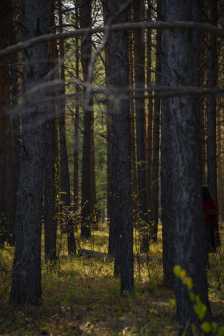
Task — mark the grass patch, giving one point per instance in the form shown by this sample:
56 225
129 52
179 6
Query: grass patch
81 297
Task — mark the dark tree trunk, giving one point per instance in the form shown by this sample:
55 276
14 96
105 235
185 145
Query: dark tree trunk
121 211
203 66
64 166
7 135
26 277
88 179
212 110
112 237
134 177
166 187
76 126
211 103
180 117
149 112
139 74
156 140
50 222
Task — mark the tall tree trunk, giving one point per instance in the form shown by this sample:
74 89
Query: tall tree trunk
64 167
76 124
112 237
156 139
7 138
139 74
26 277
50 222
118 78
166 187
180 117
149 111
212 109
211 102
88 179
134 177
203 66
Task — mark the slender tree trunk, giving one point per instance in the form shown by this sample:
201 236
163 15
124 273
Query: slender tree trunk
64 167
112 237
121 212
134 178
203 69
180 67
88 179
139 74
221 120
50 222
76 124
149 113
166 187
212 109
26 277
220 164
156 140
211 102
7 138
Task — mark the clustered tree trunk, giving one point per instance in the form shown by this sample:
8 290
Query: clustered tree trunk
155 144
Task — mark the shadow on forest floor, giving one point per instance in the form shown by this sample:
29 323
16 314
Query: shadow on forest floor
81 297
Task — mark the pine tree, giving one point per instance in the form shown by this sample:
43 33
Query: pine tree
120 155
26 277
181 125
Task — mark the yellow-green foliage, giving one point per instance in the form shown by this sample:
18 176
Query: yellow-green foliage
81 297
200 308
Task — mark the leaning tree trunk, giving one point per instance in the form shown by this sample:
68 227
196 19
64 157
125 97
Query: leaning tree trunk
119 109
180 117
26 277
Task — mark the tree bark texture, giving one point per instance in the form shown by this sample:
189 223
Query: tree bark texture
26 277
64 166
50 222
181 128
7 134
139 83
88 169
119 109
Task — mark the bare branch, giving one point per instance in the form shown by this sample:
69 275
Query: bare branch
155 25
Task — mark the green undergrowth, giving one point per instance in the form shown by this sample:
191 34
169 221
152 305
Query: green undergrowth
81 297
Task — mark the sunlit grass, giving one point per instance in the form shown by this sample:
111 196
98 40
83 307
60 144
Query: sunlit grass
81 296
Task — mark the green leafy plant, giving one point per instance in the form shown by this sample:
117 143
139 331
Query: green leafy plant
200 308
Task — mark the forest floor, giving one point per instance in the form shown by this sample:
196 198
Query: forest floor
81 297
